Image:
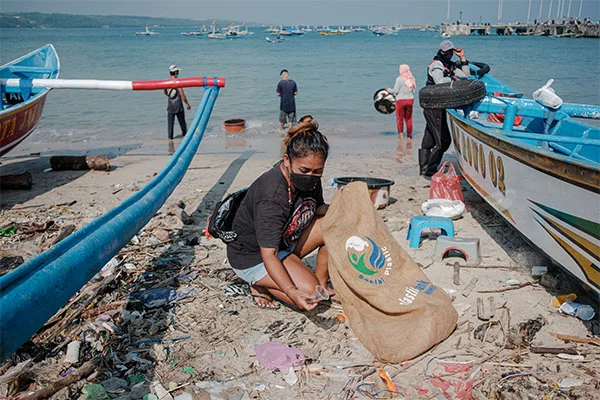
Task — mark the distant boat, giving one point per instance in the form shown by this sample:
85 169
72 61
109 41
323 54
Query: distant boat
21 106
276 40
147 32
201 32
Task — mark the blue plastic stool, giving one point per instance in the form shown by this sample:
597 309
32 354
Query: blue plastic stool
418 223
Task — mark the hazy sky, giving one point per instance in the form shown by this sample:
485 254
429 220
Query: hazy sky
347 12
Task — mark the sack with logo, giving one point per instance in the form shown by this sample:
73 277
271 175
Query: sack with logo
445 184
220 222
393 307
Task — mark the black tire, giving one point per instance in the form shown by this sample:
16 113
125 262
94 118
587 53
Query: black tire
451 95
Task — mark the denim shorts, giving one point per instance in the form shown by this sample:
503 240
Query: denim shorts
259 271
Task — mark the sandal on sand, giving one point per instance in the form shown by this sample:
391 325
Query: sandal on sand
274 305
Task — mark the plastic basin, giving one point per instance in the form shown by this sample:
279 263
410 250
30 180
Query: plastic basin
235 125
379 189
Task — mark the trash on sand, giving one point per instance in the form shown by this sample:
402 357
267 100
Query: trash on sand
512 282
569 383
95 391
538 272
290 377
72 356
8 231
558 300
275 355
159 297
581 311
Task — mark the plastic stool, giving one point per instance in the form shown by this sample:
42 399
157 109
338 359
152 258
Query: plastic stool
466 247
418 223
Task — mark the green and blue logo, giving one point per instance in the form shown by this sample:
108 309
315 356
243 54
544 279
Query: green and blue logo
368 258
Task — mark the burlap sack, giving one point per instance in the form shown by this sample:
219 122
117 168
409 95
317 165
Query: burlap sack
393 308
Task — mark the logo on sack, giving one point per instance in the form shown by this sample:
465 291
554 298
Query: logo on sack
411 293
368 259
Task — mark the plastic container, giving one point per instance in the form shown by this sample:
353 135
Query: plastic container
319 294
538 272
379 189
557 301
581 311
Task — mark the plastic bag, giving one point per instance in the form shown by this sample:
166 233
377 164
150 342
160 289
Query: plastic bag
546 96
220 221
446 184
443 208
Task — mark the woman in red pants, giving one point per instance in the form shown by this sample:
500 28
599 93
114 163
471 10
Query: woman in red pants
403 91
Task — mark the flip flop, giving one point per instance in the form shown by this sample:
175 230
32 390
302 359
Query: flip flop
256 296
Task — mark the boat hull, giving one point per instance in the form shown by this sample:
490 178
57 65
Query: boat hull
22 106
554 202
19 122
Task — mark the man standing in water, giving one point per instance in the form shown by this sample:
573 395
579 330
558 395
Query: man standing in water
175 105
287 89
437 139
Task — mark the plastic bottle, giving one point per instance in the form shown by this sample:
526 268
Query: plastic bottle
558 300
581 311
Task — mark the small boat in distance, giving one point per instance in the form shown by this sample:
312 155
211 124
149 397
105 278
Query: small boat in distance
147 32
22 106
538 166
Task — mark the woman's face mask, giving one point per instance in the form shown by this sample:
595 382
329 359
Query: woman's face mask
304 182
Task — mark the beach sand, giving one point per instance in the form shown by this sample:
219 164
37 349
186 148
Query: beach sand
220 325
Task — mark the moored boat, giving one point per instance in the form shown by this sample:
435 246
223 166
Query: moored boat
22 106
539 168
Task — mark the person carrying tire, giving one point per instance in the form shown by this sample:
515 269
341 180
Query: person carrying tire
437 139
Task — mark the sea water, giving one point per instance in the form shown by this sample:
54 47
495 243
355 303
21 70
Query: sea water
336 77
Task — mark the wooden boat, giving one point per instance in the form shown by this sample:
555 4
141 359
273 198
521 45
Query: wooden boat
40 287
539 168
22 106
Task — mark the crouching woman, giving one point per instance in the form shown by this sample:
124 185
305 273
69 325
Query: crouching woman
278 223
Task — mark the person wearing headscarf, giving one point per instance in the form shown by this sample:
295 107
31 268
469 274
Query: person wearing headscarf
403 92
437 139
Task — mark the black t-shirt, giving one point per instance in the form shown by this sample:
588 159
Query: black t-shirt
266 218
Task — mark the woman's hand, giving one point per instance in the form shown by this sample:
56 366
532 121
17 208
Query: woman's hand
301 299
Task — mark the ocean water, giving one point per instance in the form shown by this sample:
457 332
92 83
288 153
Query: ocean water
336 76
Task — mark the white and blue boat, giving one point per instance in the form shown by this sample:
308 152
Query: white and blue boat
539 168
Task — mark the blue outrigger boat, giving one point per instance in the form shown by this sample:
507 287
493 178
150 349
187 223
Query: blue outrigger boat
36 290
539 168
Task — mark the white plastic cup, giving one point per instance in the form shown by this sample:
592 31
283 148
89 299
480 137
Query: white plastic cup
582 311
319 294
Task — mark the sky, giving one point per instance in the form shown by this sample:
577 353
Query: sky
332 12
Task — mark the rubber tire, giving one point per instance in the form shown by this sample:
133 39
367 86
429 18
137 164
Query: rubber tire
451 95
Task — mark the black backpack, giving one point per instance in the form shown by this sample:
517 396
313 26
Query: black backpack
220 223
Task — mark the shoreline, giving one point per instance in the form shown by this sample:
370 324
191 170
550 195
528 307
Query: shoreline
223 330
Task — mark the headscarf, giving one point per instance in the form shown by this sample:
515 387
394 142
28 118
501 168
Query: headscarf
409 79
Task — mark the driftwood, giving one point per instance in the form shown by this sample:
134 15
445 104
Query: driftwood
82 372
16 182
66 163
576 339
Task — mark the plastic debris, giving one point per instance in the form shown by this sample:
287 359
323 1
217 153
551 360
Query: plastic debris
95 391
582 311
72 356
538 272
159 297
8 231
277 356
560 299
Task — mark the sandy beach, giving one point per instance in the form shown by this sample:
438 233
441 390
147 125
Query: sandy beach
201 345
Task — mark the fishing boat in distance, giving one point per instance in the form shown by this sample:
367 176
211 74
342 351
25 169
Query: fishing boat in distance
538 166
147 32
22 106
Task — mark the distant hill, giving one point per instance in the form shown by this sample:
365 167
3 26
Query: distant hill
46 21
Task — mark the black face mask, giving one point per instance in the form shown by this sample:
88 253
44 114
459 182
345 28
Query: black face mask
304 182
446 59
